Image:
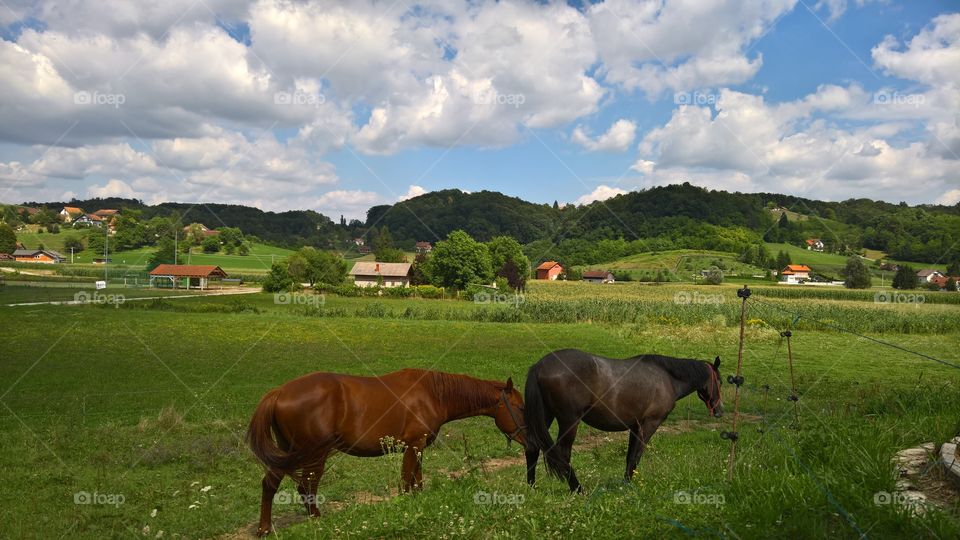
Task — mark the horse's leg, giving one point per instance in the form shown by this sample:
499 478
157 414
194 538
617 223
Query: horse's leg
308 488
270 484
565 438
633 451
641 434
532 456
412 475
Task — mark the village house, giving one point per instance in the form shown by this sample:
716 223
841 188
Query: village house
373 274
195 276
598 276
814 244
927 275
358 241
795 273
70 213
549 270
47 256
942 281
90 220
423 247
204 230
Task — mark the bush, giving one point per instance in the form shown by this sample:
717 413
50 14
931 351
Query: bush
714 276
279 280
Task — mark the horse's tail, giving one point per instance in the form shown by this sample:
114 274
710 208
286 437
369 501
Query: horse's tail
538 428
260 435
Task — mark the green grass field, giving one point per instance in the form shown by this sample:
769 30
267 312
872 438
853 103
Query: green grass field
260 258
144 407
683 263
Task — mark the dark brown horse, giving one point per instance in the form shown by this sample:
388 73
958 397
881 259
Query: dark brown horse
635 394
297 426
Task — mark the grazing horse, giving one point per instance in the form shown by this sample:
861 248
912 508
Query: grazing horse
634 394
297 426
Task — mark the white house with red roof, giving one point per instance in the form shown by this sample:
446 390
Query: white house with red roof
795 273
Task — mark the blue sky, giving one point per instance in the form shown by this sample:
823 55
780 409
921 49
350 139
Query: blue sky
339 106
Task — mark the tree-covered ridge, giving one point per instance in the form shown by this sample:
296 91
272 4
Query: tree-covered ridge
483 215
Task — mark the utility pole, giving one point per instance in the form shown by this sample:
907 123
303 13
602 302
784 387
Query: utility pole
71 254
106 250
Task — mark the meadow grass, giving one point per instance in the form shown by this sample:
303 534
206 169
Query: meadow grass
150 403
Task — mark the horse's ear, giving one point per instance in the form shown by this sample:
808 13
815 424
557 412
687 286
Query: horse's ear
716 364
509 384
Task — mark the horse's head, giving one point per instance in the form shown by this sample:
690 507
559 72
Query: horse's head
508 414
709 393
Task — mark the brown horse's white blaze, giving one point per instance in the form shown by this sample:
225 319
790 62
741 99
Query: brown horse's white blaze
297 426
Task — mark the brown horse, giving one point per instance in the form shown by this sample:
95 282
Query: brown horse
321 413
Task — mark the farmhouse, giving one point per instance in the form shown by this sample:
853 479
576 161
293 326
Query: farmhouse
69 213
814 244
598 276
795 273
927 275
204 230
106 212
372 274
89 220
197 276
943 281
423 247
549 270
47 256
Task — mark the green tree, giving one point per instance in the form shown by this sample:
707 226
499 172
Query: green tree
244 249
783 260
392 255
315 266
163 255
505 248
905 278
713 276
951 285
459 261
8 239
74 243
954 268
211 244
381 242
417 275
279 279
856 274
96 242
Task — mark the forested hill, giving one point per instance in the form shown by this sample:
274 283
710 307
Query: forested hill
687 215
484 214
662 217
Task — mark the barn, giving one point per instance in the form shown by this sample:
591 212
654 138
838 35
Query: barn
48 256
549 270
373 274
598 276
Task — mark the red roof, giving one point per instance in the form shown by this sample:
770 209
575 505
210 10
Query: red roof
796 268
188 270
548 265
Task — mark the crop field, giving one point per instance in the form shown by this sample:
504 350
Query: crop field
128 421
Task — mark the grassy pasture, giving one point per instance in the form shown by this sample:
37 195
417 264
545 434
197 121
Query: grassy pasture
149 403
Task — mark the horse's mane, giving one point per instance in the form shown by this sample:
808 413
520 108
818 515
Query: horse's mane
461 390
684 369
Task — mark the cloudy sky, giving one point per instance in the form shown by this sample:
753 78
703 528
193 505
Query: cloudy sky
336 106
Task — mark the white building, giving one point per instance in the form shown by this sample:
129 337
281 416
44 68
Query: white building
372 274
